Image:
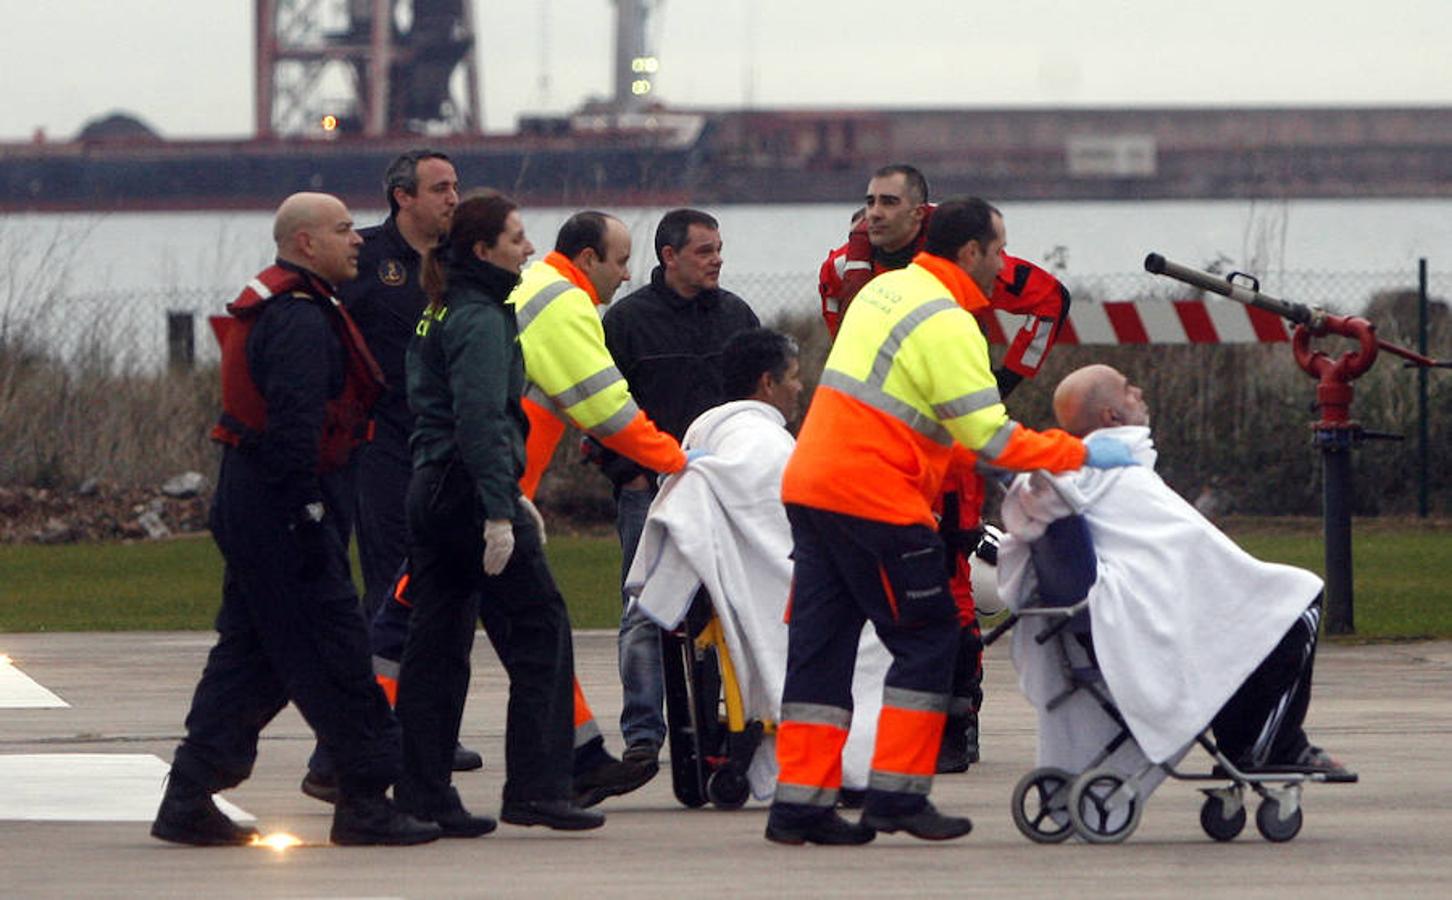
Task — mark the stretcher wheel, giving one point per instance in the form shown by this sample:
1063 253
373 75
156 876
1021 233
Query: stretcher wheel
1222 817
727 789
1040 805
1274 823
1104 806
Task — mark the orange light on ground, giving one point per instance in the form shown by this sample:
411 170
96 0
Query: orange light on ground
329 123
4 660
277 842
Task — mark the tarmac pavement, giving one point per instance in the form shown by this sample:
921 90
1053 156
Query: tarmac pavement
1386 710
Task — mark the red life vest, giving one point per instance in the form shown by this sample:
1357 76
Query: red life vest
347 423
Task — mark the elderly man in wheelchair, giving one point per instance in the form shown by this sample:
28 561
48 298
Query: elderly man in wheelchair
1143 631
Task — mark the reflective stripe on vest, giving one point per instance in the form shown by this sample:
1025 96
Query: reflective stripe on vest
525 313
598 403
871 390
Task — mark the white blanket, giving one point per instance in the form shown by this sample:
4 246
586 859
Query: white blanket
720 524
1181 615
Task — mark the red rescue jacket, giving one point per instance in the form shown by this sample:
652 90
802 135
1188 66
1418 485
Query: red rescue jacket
1021 288
347 422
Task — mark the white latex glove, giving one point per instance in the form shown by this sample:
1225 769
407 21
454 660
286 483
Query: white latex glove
533 511
498 545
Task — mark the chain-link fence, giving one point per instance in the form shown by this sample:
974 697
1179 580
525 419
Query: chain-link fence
121 385
148 331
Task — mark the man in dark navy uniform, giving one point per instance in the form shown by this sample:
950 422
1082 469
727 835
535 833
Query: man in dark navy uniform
386 300
297 387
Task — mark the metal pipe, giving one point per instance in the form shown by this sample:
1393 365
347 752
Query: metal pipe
1423 435
1336 498
1299 313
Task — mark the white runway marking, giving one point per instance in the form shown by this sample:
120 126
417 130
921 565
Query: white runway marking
87 787
20 691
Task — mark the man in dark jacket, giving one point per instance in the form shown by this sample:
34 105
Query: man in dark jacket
666 339
297 385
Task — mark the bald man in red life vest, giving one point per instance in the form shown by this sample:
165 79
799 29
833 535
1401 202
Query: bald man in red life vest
889 232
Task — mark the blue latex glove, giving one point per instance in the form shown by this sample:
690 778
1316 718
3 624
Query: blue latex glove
1108 453
696 453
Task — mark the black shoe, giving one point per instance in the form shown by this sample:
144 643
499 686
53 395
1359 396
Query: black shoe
460 823
642 751
189 816
612 778
830 829
372 819
320 787
466 760
927 823
561 815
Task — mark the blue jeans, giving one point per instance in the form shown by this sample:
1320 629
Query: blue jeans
639 644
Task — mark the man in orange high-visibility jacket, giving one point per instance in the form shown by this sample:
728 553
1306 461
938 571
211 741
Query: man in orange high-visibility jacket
907 382
890 230
573 378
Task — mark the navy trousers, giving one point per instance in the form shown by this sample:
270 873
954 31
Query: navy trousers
282 639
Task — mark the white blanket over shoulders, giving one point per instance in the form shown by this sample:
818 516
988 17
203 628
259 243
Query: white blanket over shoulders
720 524
1181 615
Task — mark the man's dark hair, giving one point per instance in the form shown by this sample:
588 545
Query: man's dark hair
958 221
403 173
675 229
750 353
916 184
583 229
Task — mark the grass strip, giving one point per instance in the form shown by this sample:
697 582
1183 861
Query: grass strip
1401 590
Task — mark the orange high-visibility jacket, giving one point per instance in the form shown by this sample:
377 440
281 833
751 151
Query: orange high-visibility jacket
907 379
572 376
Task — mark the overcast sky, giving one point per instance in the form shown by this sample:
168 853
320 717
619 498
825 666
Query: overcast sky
185 66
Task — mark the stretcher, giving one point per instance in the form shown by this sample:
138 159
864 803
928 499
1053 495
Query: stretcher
710 738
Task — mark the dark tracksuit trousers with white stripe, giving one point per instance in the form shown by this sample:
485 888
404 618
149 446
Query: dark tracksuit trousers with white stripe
1261 723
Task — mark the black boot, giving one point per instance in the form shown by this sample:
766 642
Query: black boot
828 829
466 760
611 778
561 815
320 787
927 823
370 818
189 816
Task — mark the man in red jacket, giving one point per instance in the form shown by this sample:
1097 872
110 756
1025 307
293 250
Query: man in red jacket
891 229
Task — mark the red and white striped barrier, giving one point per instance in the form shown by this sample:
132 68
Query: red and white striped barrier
1158 322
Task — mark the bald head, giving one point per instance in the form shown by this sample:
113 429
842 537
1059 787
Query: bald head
315 231
1098 396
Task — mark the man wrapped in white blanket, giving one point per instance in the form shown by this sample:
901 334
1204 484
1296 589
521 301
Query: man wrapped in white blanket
1189 629
720 524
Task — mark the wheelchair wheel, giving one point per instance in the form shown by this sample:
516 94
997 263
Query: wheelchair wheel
1104 806
1040 805
1273 823
1223 814
727 789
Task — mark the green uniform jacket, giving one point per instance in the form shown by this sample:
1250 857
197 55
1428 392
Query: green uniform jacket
465 377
